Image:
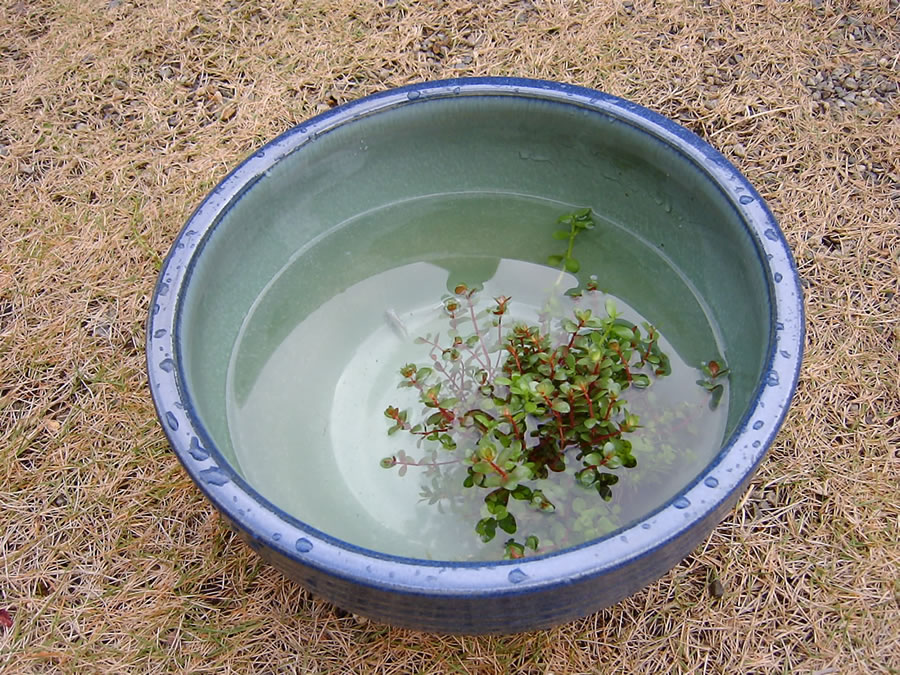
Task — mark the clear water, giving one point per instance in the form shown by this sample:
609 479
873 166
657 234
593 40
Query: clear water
307 387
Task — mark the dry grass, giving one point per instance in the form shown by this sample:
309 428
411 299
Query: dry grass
116 117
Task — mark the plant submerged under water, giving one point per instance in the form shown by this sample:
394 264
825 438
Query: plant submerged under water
514 404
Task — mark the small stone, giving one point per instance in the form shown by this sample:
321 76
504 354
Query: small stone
716 589
739 150
850 83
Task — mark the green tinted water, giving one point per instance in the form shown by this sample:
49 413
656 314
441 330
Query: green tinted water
317 361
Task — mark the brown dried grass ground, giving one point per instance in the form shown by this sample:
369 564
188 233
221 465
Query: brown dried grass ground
116 117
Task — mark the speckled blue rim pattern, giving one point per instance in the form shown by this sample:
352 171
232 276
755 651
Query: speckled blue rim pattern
505 596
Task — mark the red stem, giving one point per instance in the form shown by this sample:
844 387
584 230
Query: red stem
559 420
515 426
487 357
615 347
496 468
446 414
512 351
590 403
430 464
574 335
571 409
646 355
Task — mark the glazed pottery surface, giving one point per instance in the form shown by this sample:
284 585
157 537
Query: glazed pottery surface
532 139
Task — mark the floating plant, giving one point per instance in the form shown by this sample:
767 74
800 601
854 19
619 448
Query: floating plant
506 406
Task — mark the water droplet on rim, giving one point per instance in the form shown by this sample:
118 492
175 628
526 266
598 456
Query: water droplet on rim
772 378
197 451
785 354
778 277
413 95
214 476
711 482
168 365
771 234
681 503
758 424
159 333
303 545
156 309
172 421
756 444
745 199
645 526
163 288
517 576
277 536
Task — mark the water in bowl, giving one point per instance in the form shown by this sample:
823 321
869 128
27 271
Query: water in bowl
318 358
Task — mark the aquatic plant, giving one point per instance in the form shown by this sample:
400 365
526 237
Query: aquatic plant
513 404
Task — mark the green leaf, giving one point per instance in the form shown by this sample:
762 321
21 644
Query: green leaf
508 523
562 234
522 492
594 458
513 550
623 333
505 381
498 511
716 397
522 472
611 308
554 260
586 477
641 381
486 528
583 315
561 406
532 542
483 419
572 265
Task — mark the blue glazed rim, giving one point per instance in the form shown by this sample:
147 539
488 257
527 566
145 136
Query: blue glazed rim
269 526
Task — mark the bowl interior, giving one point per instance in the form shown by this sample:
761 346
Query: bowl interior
458 183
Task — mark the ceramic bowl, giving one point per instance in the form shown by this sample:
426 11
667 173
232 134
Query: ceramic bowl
541 141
